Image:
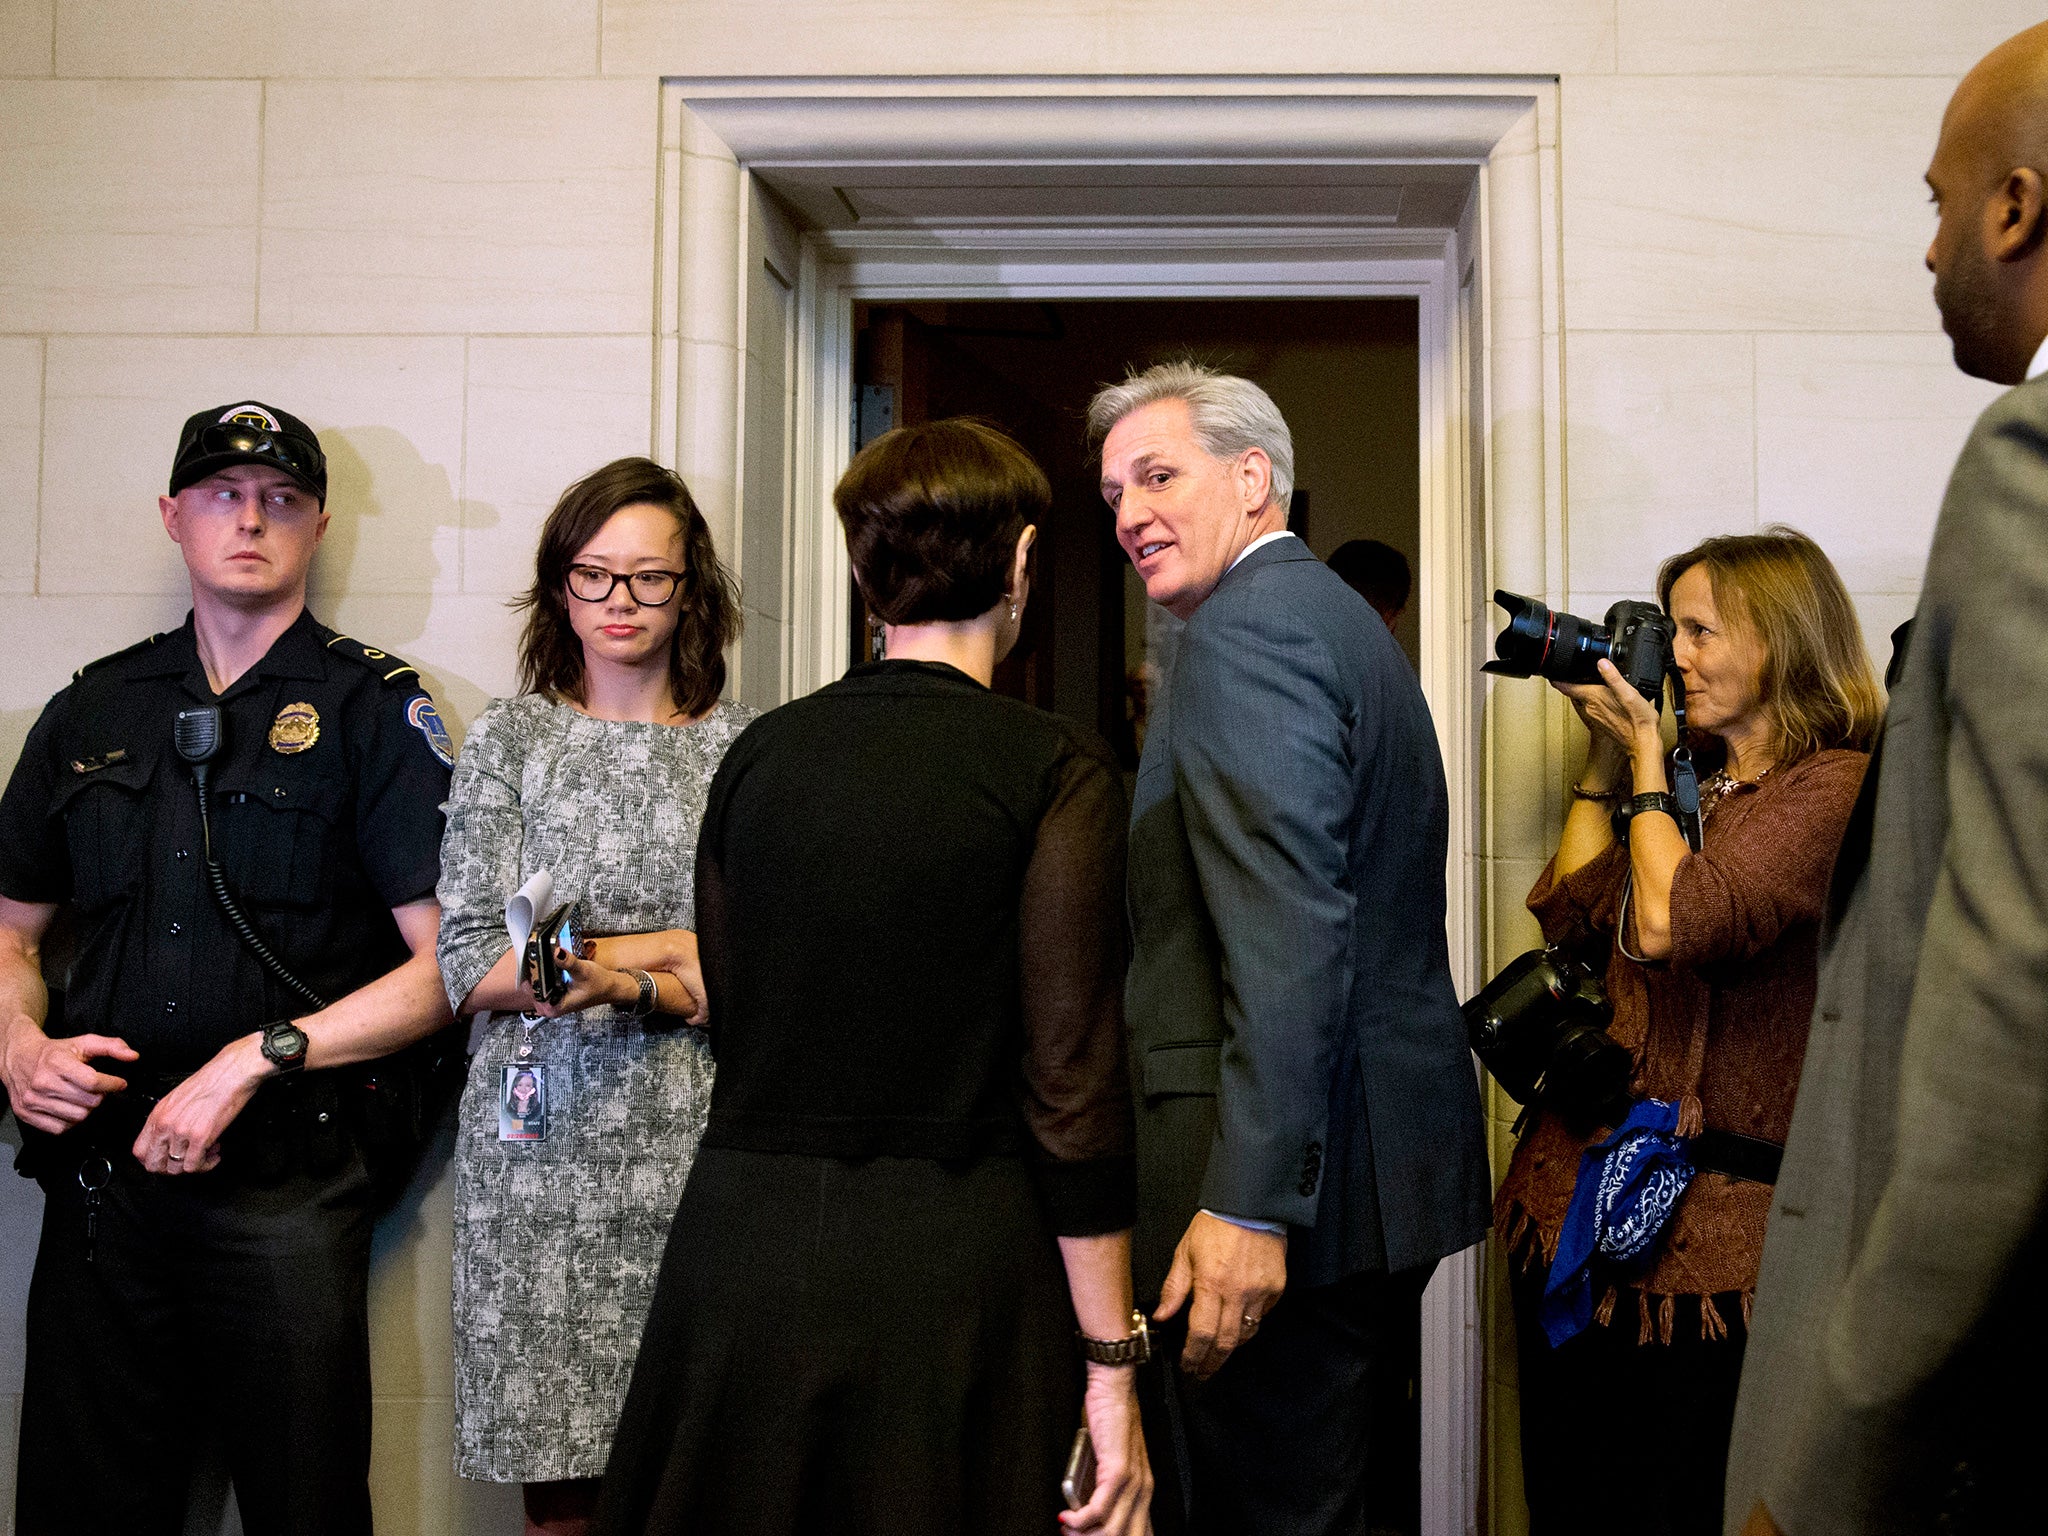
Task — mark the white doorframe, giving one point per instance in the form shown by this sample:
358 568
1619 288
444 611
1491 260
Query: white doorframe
1491 356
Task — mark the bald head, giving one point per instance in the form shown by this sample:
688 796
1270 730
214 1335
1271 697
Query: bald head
1988 175
1999 114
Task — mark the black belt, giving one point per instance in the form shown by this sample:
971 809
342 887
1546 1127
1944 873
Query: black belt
1738 1156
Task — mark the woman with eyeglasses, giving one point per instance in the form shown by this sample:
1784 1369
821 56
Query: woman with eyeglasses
596 773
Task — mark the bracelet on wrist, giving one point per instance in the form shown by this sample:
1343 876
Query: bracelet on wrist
648 994
1135 1348
1580 792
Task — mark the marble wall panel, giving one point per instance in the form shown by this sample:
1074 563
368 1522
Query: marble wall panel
412 1489
389 411
1880 614
26 30
1659 452
128 206
1855 439
1697 203
1843 37
333 38
1139 37
21 452
21 1210
10 1424
542 414
411 1278
467 206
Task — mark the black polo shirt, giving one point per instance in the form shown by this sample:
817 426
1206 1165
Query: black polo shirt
325 801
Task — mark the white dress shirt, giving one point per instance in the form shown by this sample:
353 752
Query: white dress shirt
1267 538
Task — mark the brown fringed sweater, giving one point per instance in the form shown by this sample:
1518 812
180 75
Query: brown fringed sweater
1722 1022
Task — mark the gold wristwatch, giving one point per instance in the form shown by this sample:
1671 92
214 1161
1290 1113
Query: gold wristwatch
1135 1348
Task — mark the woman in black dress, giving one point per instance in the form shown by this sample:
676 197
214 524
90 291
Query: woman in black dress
910 908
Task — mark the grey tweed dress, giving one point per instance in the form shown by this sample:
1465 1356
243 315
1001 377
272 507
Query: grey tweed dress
557 1242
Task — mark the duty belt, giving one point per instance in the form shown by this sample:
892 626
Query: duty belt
291 1123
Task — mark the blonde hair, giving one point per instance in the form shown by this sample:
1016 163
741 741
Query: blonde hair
1817 686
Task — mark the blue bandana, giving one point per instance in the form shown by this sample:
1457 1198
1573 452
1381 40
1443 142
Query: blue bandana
1628 1187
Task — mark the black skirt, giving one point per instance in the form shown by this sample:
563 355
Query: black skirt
839 1348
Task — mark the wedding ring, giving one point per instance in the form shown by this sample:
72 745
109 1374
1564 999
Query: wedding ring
176 1157
1251 1323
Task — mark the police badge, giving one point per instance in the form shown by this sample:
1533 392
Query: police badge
296 728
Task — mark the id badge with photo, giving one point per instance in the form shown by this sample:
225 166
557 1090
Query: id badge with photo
523 1101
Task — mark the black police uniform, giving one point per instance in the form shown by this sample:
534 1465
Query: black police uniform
229 1303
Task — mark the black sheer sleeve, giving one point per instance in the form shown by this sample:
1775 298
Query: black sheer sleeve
714 932
1077 1094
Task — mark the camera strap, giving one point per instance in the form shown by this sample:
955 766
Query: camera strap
1685 778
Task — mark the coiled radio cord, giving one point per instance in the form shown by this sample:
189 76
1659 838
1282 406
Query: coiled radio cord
246 933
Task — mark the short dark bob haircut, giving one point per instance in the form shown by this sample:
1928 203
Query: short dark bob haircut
932 516
550 655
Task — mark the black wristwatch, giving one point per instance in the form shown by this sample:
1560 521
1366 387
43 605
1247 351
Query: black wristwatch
1135 1348
283 1045
1635 805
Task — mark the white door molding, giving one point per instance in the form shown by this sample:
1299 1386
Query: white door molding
1490 318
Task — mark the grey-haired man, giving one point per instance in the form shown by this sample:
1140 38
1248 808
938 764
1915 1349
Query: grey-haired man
1309 1131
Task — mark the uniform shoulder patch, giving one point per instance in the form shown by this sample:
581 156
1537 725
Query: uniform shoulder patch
423 717
395 671
121 655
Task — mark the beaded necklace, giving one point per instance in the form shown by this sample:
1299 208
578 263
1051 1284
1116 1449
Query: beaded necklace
1723 784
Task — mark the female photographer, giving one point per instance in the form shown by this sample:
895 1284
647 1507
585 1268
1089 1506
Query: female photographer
581 1117
1710 965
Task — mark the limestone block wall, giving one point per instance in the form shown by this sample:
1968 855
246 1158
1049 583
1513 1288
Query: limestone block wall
431 231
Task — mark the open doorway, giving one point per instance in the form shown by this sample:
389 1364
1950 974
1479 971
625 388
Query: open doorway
784 203
1344 373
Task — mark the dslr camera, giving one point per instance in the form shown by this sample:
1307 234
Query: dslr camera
1541 642
1540 1027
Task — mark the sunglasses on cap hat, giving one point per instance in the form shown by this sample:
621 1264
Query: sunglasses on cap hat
249 434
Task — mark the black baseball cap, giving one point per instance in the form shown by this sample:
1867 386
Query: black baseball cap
249 433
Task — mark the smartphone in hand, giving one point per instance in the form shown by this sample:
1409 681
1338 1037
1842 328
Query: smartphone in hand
1079 1483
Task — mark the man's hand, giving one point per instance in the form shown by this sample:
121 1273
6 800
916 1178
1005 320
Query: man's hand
52 1083
182 1134
1235 1275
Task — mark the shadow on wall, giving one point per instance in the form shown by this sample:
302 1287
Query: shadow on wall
396 525
389 506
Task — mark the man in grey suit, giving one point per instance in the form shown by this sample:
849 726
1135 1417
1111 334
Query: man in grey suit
1893 1378
1309 1132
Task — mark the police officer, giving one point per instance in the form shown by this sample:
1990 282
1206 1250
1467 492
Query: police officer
209 1125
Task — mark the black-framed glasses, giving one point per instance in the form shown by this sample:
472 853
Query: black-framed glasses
595 584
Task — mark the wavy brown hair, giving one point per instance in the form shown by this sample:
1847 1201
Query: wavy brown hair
550 655
1817 686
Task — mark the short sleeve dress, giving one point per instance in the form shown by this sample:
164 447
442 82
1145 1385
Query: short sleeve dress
557 1241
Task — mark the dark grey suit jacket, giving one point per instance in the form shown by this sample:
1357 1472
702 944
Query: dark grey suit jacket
1908 1225
1297 1050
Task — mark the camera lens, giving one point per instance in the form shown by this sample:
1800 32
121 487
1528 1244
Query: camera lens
1541 642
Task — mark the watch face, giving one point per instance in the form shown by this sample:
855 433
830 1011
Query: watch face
286 1040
